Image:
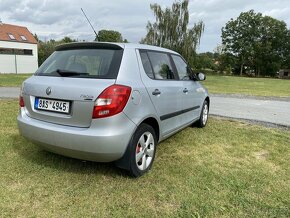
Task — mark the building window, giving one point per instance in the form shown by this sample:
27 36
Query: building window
12 51
286 73
7 51
11 36
23 38
27 52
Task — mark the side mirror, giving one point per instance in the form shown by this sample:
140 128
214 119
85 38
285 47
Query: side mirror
190 73
200 76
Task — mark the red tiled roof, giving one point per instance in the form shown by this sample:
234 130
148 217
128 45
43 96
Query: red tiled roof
17 32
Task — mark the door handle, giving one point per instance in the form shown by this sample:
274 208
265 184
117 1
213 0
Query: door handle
185 90
156 92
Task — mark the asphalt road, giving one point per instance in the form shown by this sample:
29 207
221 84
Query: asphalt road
270 110
9 92
261 109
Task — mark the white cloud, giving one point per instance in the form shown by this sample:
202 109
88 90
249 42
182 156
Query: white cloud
56 19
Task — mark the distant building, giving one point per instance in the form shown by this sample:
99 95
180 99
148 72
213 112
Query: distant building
284 74
18 50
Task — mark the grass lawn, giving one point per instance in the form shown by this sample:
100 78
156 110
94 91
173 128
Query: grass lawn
228 169
247 86
12 79
215 84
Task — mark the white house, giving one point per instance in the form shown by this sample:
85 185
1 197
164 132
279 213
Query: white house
18 50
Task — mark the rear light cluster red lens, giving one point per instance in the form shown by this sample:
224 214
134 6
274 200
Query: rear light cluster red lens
111 101
21 101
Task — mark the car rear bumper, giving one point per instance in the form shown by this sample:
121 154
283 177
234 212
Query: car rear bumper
104 141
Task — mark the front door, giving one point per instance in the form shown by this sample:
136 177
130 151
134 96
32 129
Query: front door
192 95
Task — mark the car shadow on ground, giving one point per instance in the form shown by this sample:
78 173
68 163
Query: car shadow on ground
36 155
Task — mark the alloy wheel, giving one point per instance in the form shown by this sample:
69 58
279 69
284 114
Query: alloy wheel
145 151
205 114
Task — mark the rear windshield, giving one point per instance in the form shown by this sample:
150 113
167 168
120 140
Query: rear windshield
82 63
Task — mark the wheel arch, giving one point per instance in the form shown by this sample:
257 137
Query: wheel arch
151 121
208 100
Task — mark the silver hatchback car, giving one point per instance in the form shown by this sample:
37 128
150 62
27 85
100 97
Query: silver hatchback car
111 102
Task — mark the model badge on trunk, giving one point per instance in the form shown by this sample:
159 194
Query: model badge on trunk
48 91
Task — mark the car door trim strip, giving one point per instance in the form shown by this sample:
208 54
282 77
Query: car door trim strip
174 114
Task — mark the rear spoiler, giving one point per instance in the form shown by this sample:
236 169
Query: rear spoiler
89 45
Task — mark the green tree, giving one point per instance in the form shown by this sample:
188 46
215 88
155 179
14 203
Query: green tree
109 36
67 40
205 61
36 37
170 30
256 41
45 49
225 62
286 53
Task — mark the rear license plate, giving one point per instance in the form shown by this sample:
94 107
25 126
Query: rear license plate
52 105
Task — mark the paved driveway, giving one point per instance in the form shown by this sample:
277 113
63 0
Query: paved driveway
269 110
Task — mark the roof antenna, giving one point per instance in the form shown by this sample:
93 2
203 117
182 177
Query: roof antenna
90 24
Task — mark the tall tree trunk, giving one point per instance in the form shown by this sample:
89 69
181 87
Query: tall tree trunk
241 70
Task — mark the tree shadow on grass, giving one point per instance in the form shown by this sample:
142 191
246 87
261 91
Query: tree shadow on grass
36 155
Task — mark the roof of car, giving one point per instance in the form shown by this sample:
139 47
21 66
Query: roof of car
112 45
146 47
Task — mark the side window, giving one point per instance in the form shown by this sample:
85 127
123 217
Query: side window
161 65
181 67
146 64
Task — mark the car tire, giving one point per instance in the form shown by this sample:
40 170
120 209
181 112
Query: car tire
141 149
202 121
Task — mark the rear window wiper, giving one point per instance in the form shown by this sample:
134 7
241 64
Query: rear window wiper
63 73
69 73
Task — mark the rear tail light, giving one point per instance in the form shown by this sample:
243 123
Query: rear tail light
21 101
111 101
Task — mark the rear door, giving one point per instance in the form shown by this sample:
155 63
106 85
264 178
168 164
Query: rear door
163 88
191 95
